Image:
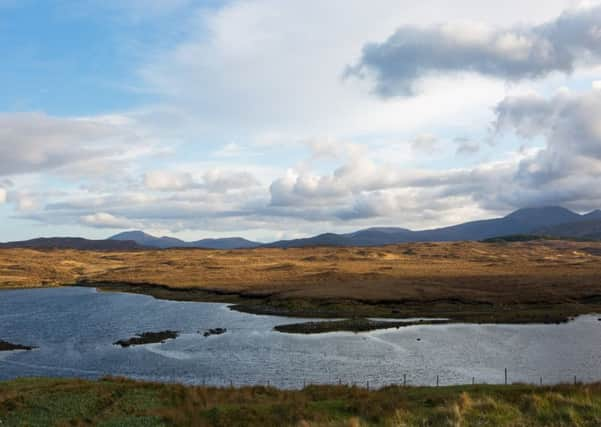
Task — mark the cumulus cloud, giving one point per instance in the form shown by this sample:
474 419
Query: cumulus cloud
3 195
106 220
356 175
561 171
560 164
214 180
515 53
569 165
169 181
217 180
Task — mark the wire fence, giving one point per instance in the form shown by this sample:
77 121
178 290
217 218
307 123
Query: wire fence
504 378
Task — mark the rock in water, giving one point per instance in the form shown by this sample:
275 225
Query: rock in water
215 331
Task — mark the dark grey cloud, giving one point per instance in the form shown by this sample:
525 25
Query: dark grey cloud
512 54
570 125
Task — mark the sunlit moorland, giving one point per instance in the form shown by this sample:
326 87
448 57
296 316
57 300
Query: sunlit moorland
510 282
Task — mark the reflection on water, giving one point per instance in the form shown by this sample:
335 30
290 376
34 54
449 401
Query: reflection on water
75 329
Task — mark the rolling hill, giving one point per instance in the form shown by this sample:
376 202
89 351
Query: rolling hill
74 243
165 242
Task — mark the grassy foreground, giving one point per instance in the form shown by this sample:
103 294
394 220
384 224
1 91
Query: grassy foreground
119 402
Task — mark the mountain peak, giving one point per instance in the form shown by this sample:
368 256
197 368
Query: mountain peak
164 242
130 235
546 214
539 210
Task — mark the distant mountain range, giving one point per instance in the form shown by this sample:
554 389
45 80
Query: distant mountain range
552 221
165 242
74 243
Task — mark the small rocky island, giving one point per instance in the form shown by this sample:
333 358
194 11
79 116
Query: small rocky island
148 338
350 325
6 346
215 331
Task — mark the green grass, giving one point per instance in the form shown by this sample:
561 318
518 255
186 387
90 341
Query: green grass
118 402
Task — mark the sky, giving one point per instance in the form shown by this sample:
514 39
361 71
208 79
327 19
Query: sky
269 119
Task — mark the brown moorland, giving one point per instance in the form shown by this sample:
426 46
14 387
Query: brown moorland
516 282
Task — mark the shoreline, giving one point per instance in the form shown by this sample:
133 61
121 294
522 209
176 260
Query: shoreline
515 283
347 315
451 310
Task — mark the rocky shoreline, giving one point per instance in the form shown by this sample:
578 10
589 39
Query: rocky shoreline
454 309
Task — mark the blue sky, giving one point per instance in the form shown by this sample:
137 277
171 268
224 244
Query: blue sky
78 57
271 119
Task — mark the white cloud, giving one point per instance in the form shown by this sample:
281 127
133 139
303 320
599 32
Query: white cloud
426 143
169 181
263 67
213 180
3 195
106 220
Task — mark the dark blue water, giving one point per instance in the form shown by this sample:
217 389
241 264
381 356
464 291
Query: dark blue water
74 329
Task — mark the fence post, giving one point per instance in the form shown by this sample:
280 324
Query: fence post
368 386
541 381
505 376
404 379
437 380
575 380
473 380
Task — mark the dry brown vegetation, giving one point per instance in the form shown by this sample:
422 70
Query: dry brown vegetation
550 272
